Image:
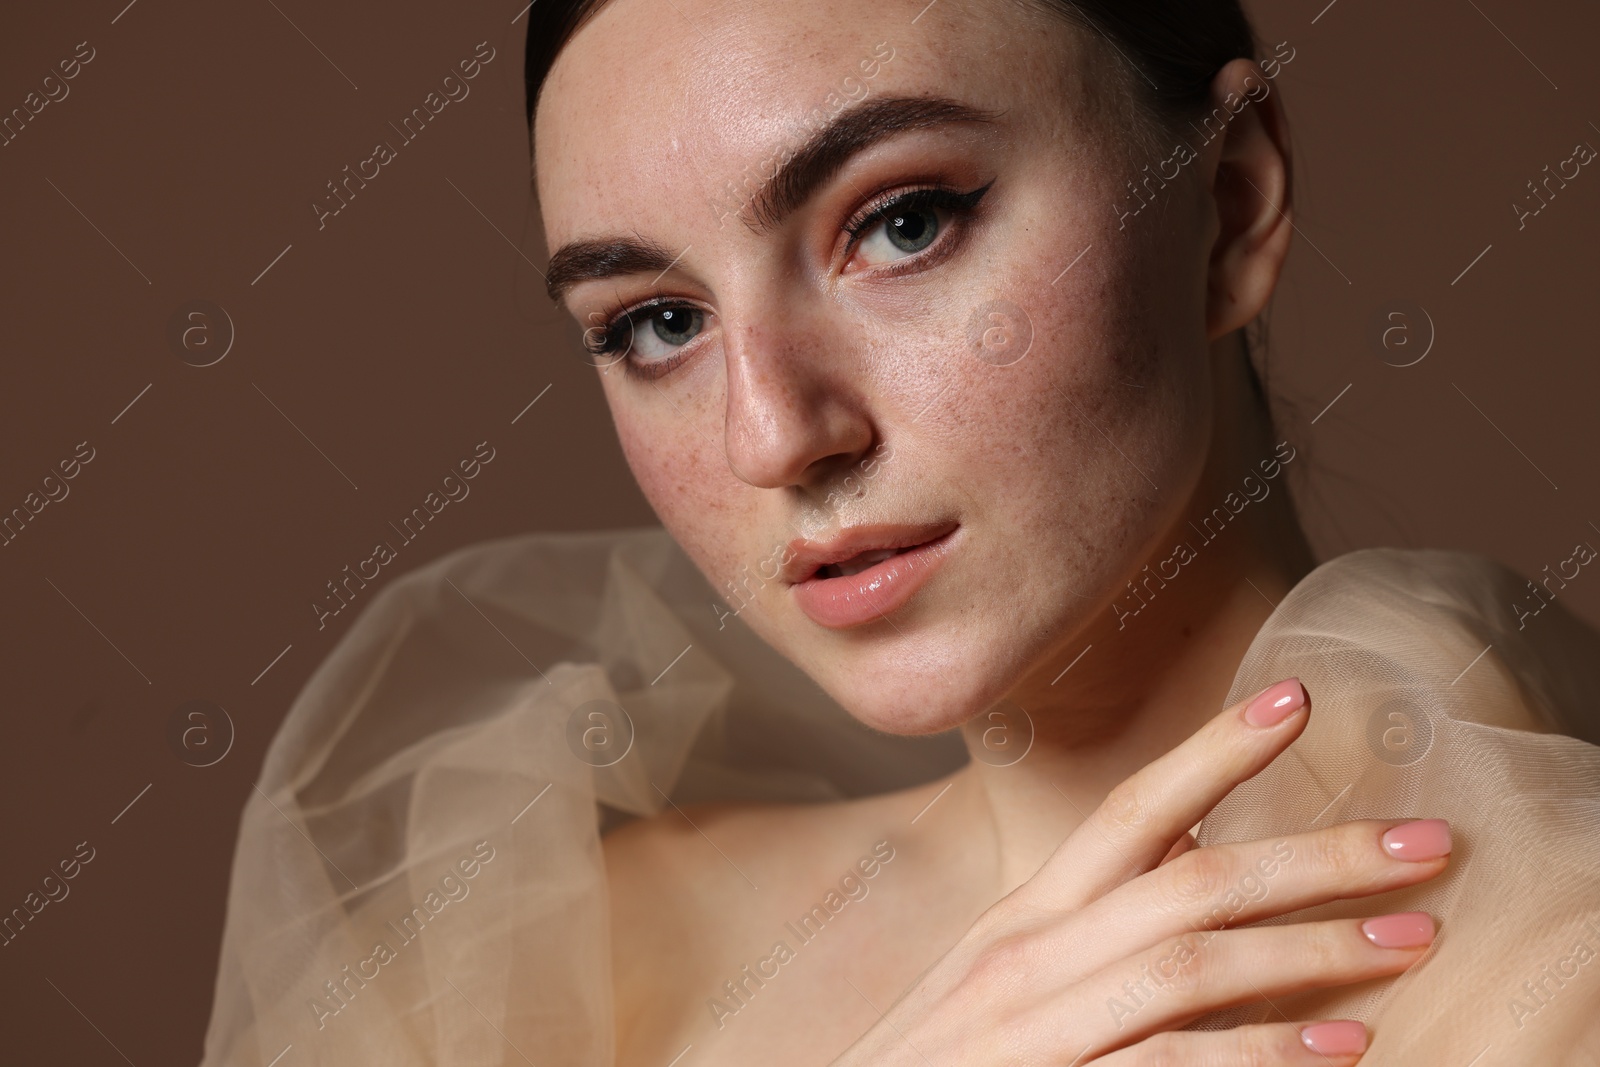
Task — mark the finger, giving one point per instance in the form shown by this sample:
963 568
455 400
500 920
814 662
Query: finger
1141 819
1184 978
1322 1044
1231 885
1186 843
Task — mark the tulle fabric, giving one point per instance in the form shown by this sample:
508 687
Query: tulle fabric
419 881
1431 701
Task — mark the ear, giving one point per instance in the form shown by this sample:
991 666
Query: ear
1250 196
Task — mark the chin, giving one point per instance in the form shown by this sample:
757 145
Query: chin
903 703
897 691
901 625
931 667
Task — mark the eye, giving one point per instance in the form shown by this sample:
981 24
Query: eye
669 327
648 338
909 223
902 233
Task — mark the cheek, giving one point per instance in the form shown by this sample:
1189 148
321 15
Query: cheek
1133 402
1105 385
683 475
1083 451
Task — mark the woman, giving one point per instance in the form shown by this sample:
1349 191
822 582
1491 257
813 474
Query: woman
923 327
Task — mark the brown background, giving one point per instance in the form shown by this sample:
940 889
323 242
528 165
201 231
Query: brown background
413 326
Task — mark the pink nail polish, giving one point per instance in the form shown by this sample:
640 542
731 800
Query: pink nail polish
1424 839
1408 929
1276 703
1343 1038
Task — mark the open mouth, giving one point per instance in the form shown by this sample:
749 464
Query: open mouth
859 562
874 548
873 582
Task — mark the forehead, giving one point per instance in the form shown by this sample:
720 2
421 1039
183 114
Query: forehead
681 98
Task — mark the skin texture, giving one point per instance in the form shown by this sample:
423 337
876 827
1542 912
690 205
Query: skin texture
1067 471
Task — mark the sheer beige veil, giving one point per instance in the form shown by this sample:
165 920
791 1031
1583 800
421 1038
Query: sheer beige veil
418 878
1431 701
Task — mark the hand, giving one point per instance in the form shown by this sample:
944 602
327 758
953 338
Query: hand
1119 938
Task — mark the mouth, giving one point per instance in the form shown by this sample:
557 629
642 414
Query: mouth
857 549
867 572
858 563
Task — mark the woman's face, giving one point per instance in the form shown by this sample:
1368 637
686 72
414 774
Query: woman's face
1006 369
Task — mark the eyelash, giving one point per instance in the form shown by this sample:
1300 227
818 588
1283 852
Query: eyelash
959 204
613 335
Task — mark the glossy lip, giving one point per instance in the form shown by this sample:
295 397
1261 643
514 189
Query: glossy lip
851 600
808 557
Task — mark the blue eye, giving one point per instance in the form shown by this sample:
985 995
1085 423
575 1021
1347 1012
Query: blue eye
910 222
676 325
908 231
650 338
647 336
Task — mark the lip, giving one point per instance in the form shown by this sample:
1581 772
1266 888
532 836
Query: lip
851 600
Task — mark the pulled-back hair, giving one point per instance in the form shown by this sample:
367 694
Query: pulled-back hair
1175 47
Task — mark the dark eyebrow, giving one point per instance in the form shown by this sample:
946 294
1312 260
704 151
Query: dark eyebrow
805 170
607 257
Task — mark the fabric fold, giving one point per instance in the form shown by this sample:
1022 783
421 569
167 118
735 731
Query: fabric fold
419 878
1430 702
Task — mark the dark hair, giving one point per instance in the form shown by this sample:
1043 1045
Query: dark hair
1175 47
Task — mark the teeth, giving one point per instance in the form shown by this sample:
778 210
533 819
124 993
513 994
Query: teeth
857 564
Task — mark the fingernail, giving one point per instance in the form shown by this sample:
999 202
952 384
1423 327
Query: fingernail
1276 703
1408 929
1424 839
1344 1038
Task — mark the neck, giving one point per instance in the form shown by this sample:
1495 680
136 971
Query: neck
1158 662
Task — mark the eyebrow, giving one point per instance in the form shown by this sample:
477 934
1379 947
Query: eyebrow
802 173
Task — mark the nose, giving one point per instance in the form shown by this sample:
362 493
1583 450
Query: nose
793 416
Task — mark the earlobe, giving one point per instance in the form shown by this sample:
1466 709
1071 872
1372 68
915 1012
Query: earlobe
1250 196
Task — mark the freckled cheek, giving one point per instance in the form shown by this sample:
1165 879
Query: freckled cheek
1090 362
687 482
1057 435
1132 369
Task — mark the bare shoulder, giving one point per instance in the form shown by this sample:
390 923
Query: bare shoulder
698 856
692 884
711 902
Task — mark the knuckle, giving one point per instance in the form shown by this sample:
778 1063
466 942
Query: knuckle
1342 852
1198 971
1125 807
1200 878
1323 948
1003 962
